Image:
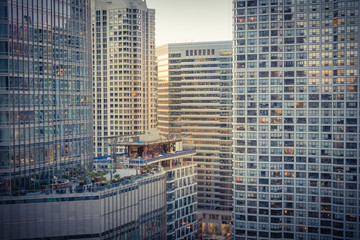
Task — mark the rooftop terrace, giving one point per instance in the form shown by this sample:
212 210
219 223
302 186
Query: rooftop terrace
77 190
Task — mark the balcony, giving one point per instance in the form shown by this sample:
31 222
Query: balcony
170 198
163 156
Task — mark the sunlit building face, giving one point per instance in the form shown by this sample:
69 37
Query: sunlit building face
195 103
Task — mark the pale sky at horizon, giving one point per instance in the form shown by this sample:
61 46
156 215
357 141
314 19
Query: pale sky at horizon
180 21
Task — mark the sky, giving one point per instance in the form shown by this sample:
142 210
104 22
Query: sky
180 21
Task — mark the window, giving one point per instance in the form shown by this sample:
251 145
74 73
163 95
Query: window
3 30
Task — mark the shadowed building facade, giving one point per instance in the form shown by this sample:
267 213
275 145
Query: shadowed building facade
45 93
296 119
133 207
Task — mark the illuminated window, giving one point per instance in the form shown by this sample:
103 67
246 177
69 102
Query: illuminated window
241 20
252 19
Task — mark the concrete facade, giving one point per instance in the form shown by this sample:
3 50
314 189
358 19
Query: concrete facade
131 209
195 103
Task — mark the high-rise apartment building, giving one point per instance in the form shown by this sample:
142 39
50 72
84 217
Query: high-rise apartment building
45 93
124 81
296 119
195 102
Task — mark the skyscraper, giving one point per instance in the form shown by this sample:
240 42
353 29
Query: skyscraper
195 102
296 119
123 70
45 93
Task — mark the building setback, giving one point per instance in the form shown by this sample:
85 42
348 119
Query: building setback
131 208
45 93
152 151
195 102
296 119
124 88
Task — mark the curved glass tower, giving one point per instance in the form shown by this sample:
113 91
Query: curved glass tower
45 92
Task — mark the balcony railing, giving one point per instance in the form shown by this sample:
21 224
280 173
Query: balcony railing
162 156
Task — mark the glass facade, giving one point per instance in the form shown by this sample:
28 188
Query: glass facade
124 79
195 102
45 92
296 119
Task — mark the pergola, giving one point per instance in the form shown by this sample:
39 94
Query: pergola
149 149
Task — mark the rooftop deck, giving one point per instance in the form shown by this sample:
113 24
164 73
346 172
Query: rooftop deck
162 156
78 190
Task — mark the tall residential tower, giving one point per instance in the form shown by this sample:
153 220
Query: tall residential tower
296 119
124 83
45 93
